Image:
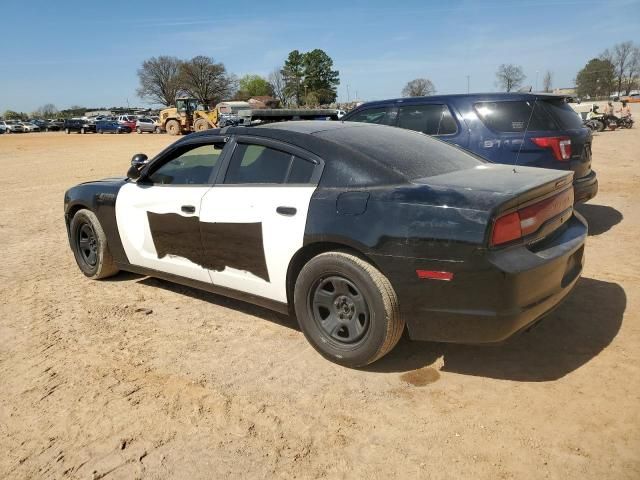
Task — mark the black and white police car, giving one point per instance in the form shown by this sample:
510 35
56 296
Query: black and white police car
357 229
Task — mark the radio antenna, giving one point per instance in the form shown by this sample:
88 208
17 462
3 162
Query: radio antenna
535 101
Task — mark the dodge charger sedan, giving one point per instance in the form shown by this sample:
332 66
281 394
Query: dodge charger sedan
358 230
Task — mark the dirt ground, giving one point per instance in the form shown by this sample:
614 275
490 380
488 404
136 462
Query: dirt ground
138 378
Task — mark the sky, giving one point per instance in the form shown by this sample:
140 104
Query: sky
87 52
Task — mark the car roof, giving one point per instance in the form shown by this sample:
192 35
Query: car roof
355 154
492 96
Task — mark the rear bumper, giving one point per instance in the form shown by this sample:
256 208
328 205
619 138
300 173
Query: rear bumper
585 188
494 295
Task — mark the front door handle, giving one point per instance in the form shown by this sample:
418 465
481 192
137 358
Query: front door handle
286 211
188 209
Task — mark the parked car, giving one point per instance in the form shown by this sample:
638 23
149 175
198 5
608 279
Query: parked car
356 228
633 97
12 126
30 127
534 130
55 125
147 125
3 129
79 125
111 126
128 120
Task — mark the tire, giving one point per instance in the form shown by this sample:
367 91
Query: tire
89 245
599 125
100 131
67 131
201 125
138 130
347 309
157 130
82 131
173 127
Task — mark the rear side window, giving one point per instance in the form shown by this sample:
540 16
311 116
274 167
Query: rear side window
372 115
259 164
566 116
515 116
433 119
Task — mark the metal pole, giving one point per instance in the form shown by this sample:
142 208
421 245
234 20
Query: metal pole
536 80
348 98
468 76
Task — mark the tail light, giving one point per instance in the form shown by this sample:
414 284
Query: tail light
560 146
529 219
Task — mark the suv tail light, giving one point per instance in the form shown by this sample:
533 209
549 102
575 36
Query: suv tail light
561 146
528 220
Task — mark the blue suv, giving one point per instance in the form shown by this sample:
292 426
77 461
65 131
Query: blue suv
534 130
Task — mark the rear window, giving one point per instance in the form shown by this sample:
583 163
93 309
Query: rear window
515 116
410 154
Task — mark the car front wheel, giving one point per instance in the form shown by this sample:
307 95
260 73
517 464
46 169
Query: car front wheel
347 309
89 244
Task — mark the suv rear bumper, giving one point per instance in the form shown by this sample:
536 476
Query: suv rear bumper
585 188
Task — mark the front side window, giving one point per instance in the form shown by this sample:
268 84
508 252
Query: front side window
432 119
257 164
380 116
192 167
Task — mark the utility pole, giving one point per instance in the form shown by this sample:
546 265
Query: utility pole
537 80
468 77
348 98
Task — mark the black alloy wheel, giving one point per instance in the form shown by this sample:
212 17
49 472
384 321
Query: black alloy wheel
339 309
88 245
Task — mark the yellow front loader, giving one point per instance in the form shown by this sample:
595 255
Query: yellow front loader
187 116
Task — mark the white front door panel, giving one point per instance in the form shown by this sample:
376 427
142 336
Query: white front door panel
249 241
172 242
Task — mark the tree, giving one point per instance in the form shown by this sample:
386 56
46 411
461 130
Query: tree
634 70
159 80
596 79
46 111
11 115
293 75
254 85
319 76
509 77
204 79
276 80
419 87
622 57
547 80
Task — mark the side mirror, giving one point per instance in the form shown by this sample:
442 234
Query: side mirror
138 161
133 173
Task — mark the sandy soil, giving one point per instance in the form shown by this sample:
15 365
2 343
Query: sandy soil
138 378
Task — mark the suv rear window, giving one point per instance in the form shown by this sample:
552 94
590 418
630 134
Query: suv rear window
515 116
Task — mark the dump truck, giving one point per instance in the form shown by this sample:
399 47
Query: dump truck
190 116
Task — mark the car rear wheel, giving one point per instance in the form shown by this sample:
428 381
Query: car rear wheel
89 244
158 130
82 131
347 309
138 130
173 127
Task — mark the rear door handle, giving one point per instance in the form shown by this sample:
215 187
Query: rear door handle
286 211
188 209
